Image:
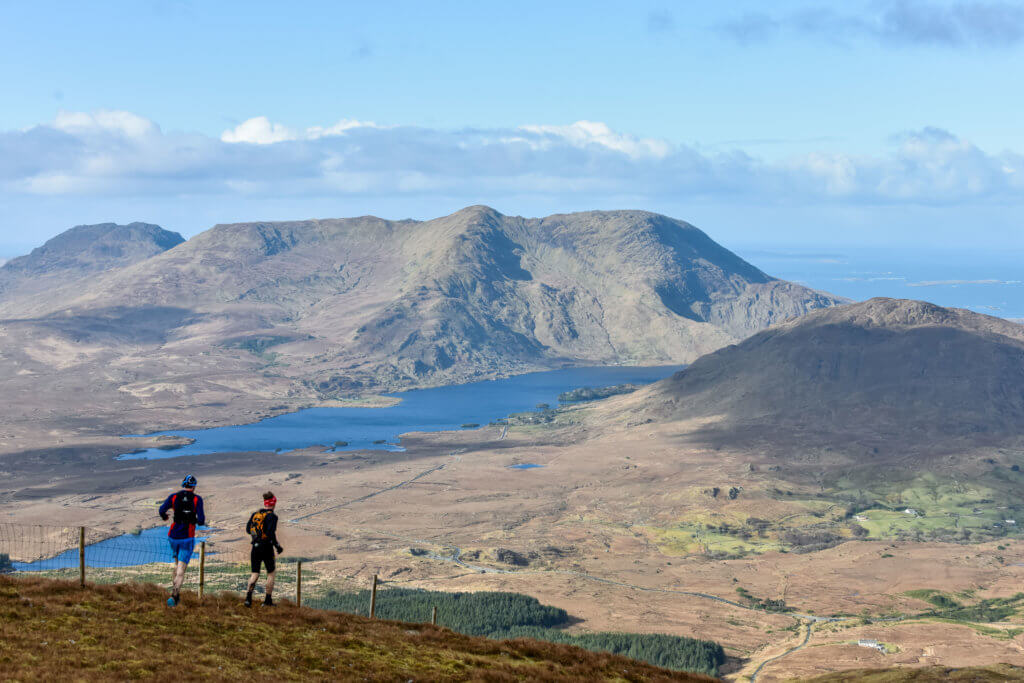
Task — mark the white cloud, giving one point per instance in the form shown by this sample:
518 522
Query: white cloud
123 154
262 131
105 121
837 173
584 133
339 128
258 131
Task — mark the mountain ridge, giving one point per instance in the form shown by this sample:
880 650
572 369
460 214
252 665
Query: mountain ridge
452 298
80 252
102 241
248 320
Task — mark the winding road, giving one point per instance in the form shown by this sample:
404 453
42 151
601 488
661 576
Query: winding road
807 637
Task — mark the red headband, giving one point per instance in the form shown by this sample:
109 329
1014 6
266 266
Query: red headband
269 502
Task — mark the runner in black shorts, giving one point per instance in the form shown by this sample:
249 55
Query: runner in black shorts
263 554
262 527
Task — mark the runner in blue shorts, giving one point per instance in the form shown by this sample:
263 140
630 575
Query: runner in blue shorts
188 514
182 548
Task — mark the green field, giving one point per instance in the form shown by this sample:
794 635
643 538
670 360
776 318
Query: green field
924 508
944 508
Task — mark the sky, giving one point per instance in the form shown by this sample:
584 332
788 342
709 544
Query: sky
881 124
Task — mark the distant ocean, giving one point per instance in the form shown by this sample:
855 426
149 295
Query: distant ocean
984 281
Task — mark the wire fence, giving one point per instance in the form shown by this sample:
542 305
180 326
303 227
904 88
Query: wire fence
92 556
144 556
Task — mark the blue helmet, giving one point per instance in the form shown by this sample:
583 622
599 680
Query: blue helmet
189 482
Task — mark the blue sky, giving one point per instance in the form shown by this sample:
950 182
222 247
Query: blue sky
890 122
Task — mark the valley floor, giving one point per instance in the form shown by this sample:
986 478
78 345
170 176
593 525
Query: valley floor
605 529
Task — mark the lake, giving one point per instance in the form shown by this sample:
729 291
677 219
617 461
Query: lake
129 550
421 410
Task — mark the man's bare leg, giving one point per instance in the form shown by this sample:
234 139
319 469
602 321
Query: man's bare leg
268 600
179 577
253 578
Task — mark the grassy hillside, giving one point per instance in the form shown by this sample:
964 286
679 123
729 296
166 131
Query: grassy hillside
55 630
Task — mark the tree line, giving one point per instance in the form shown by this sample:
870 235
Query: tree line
514 615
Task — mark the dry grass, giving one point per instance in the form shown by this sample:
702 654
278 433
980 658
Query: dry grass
999 672
54 630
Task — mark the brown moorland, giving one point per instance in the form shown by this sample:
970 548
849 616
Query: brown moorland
613 521
999 672
54 630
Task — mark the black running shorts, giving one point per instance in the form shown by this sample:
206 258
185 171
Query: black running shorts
262 554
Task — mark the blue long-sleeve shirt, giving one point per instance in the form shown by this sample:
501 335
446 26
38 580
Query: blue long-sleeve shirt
183 530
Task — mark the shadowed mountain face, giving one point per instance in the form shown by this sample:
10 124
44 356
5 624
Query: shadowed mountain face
81 251
324 308
882 367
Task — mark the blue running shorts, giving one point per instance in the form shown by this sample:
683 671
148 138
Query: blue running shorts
182 548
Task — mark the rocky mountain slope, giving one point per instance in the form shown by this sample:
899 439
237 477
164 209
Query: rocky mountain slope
248 320
365 301
885 367
81 251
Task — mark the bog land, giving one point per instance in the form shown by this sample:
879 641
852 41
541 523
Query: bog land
621 527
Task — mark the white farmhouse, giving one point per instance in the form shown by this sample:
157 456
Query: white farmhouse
873 644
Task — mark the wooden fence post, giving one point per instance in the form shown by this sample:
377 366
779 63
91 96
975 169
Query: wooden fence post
202 568
81 556
298 584
373 598
433 616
